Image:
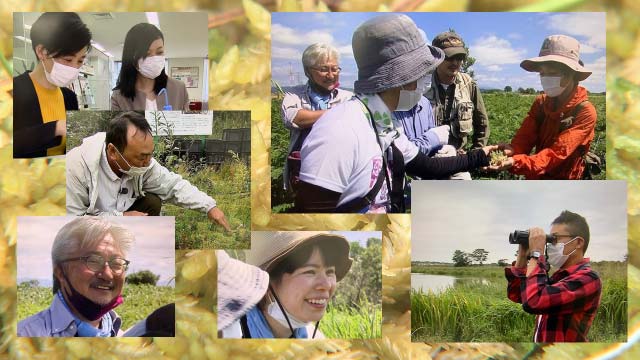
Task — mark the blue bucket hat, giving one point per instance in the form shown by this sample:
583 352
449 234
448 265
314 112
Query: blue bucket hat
390 52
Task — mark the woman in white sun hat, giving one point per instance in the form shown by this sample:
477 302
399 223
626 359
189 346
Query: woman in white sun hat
303 267
240 287
560 124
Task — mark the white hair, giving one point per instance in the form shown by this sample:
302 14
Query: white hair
317 52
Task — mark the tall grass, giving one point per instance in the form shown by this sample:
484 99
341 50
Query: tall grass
362 321
482 313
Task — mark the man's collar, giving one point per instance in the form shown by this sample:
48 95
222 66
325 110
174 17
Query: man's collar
332 94
61 317
571 269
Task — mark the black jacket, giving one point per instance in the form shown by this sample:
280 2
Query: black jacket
32 137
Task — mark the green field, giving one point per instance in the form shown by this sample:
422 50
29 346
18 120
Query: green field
481 312
506 112
361 322
228 184
139 301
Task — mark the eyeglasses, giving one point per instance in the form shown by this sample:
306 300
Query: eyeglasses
325 69
556 236
96 263
456 58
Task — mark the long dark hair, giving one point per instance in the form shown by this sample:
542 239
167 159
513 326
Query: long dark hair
136 45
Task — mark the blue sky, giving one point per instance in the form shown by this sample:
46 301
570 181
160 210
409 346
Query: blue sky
498 41
466 215
154 247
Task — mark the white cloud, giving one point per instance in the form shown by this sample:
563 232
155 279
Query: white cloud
492 50
597 81
588 25
286 53
288 36
493 68
345 51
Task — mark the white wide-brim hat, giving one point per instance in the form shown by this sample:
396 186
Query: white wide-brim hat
240 287
562 49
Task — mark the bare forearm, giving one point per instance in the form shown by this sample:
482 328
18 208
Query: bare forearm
306 118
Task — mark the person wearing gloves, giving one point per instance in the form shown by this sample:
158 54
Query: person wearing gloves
114 173
240 287
41 98
457 100
89 270
142 76
561 122
566 303
303 105
418 124
304 268
355 158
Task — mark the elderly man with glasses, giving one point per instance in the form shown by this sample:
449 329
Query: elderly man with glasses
89 269
303 105
456 99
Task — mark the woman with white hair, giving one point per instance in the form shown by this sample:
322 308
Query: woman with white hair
304 268
303 105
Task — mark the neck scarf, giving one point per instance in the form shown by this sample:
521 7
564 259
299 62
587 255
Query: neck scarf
319 101
260 329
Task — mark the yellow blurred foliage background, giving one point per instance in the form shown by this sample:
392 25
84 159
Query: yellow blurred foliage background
239 51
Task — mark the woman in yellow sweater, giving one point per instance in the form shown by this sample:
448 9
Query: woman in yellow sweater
41 97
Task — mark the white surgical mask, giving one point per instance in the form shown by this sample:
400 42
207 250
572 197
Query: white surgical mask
275 312
151 66
134 171
410 98
551 85
556 255
61 75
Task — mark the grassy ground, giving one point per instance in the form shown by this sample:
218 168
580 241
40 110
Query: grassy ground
230 187
139 301
361 322
482 313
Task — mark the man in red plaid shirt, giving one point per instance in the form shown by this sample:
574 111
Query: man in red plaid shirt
567 302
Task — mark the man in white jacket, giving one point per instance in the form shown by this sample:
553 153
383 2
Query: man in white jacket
114 173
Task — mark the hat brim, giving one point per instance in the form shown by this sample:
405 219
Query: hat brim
239 281
453 51
409 66
533 65
340 252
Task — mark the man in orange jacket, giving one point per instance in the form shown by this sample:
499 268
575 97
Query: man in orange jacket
560 124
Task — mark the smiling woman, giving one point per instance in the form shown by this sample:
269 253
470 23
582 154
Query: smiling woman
304 268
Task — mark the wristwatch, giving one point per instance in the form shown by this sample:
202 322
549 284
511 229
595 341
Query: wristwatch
535 254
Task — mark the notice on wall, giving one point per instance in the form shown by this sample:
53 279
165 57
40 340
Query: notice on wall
180 123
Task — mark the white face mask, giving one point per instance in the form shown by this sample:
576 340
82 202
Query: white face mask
556 255
61 75
275 312
551 85
151 66
410 98
133 171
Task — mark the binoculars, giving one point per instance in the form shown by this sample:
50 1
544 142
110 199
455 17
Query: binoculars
522 237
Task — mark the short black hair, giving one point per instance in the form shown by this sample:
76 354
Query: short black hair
136 46
298 257
576 224
61 33
117 130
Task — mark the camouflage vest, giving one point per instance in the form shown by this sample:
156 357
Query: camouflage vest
461 117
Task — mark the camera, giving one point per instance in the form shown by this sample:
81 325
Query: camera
522 237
